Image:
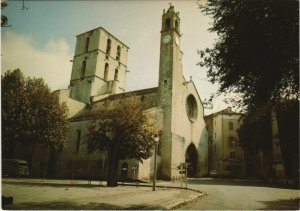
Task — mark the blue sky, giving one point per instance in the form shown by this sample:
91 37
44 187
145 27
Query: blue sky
41 40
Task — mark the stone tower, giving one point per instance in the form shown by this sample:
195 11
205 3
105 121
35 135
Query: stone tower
170 83
99 66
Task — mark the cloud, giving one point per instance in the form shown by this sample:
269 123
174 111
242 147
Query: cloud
51 62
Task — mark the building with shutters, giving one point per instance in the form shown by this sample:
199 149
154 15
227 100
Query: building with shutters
225 155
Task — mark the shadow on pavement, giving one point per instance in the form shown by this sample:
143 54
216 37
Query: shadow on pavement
282 204
67 205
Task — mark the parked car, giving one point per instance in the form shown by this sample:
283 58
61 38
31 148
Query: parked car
14 168
213 172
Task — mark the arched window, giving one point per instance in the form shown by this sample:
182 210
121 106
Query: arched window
191 108
78 140
118 53
87 42
116 74
108 46
83 68
106 72
176 26
230 125
168 23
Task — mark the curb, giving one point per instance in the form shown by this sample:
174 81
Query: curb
53 184
182 203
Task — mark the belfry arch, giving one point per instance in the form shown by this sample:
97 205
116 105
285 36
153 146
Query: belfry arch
191 157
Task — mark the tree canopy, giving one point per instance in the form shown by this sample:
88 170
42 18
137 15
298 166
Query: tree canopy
31 114
4 19
257 52
254 135
124 130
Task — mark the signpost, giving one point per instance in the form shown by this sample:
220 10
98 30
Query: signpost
134 168
183 168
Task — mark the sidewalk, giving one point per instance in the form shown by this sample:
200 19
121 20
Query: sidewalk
82 194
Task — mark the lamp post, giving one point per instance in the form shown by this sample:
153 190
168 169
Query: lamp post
156 139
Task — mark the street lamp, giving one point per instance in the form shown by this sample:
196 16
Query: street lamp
156 139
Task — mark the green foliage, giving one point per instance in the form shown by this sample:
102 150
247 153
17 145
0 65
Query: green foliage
288 125
256 55
4 19
132 129
31 114
124 130
255 133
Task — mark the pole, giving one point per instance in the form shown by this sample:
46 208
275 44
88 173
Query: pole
186 175
154 173
181 171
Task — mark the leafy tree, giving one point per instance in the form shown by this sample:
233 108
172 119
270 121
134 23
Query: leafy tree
257 53
124 130
254 133
257 58
288 125
31 114
13 91
4 19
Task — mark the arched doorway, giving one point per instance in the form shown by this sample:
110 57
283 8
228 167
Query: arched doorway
124 171
191 157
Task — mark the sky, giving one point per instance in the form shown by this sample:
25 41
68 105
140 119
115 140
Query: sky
42 36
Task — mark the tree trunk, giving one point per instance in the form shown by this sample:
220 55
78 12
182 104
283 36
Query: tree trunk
112 167
9 152
30 161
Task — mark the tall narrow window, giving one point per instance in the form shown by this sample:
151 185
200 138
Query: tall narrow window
116 74
87 42
106 72
232 155
230 125
176 26
108 46
168 23
78 140
231 141
83 68
118 53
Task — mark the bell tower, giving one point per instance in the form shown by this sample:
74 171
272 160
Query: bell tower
170 63
99 66
170 83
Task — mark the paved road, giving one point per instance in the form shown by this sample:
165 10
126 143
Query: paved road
239 194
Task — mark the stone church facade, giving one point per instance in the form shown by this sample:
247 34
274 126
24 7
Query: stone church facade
99 74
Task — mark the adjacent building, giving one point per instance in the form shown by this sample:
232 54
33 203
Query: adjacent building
225 155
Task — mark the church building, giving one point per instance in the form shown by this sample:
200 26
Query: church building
99 74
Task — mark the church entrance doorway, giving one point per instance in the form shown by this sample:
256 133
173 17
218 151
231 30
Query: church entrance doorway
191 157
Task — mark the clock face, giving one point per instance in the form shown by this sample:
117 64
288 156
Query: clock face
166 39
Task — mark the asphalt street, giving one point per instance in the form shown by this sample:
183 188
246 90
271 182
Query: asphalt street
232 194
